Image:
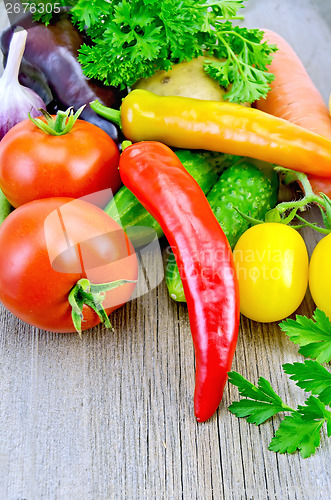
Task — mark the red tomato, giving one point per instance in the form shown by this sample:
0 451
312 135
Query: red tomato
34 164
47 246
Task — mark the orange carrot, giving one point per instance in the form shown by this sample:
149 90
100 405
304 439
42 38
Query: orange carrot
294 97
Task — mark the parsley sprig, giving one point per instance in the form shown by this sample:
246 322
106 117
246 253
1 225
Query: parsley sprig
301 429
262 402
313 335
312 377
132 39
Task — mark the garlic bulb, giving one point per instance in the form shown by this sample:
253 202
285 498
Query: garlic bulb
16 101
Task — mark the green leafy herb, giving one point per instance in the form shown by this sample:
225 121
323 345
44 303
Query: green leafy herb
302 430
134 39
44 10
241 48
313 335
263 403
298 431
312 377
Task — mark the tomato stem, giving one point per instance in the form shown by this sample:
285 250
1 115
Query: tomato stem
309 195
277 214
61 124
60 121
321 200
313 225
91 295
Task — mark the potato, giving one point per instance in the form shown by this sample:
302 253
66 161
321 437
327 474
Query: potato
186 79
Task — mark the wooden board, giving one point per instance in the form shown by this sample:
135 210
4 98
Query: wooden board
111 416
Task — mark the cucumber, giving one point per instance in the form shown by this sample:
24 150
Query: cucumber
125 209
5 207
249 185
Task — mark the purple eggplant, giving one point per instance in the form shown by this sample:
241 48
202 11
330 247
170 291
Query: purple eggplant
50 67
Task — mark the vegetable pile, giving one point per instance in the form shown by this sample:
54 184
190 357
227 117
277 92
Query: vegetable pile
202 172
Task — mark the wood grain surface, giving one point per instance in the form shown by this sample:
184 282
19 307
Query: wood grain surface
110 416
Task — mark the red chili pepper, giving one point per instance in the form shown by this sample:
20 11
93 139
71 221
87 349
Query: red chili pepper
157 178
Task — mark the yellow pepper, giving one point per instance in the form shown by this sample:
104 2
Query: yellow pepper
190 123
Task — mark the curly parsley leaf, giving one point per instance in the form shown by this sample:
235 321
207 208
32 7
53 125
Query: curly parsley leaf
245 62
44 10
220 9
312 377
263 403
138 38
226 8
313 335
132 39
86 15
301 430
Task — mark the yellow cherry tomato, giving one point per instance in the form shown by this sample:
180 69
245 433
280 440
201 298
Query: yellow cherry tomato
320 275
271 262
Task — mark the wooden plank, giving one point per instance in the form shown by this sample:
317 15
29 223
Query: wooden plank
111 416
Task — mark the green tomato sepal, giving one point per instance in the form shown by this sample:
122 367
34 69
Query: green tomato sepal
61 124
272 215
92 295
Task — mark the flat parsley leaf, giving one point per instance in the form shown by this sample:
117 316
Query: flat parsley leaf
313 335
312 377
263 403
301 430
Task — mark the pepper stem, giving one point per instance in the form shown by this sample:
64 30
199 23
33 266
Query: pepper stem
92 295
113 115
61 124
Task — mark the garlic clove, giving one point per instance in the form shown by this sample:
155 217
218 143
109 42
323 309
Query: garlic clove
16 100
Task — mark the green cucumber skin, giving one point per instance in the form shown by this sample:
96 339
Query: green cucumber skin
244 186
173 279
125 209
5 207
